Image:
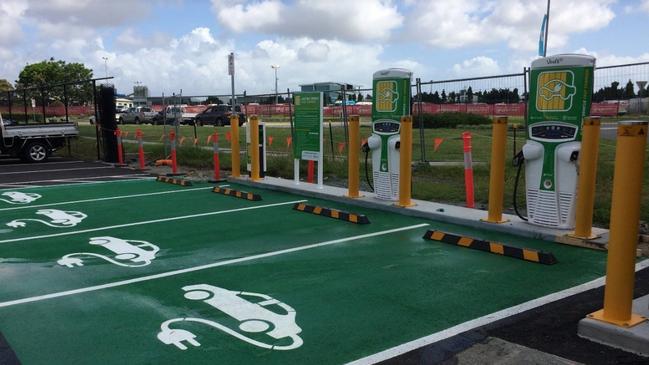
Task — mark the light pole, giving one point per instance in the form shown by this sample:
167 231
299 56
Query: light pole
275 67
105 65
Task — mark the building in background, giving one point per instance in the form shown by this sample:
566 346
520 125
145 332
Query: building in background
141 95
331 90
123 103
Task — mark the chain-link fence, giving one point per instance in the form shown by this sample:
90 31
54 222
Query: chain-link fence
50 103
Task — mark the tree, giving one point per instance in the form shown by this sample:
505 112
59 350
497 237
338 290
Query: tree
5 85
469 95
359 97
443 96
52 72
629 93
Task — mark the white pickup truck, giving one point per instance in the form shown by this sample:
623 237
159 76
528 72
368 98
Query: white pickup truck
33 142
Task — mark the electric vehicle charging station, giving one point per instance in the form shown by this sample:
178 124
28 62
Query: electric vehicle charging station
561 88
391 100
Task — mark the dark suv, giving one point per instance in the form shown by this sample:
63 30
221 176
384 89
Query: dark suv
219 115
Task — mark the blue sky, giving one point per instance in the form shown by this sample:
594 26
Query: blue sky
171 45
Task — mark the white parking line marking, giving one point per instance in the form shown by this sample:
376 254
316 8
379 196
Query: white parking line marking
207 266
20 186
149 222
56 170
484 320
130 176
45 163
104 199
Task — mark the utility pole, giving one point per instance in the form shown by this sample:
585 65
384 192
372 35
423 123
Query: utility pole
231 73
275 67
105 65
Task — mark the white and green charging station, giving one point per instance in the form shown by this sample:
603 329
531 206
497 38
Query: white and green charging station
561 88
390 101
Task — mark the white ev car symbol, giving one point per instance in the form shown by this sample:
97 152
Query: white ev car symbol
16 197
128 253
58 218
253 317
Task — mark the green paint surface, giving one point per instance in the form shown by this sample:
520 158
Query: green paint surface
352 299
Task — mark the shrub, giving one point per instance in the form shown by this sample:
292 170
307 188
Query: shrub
450 120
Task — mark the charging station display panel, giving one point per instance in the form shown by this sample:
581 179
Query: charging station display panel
307 138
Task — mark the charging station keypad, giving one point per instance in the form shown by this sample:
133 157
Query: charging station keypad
386 127
554 132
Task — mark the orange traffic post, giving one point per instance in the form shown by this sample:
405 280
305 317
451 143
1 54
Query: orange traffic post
174 164
497 171
120 151
624 222
468 170
587 176
254 148
405 162
234 145
353 163
140 149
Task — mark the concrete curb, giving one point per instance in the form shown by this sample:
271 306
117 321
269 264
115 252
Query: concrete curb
423 209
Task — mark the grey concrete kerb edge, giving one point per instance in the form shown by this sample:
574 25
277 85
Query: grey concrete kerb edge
423 209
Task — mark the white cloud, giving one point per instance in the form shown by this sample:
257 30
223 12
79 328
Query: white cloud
314 52
197 63
607 59
460 23
358 20
645 5
90 13
130 39
11 13
477 66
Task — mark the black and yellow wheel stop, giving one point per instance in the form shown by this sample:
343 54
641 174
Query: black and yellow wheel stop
497 248
170 180
237 193
332 213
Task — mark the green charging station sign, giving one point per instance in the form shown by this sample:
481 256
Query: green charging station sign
307 131
391 98
561 94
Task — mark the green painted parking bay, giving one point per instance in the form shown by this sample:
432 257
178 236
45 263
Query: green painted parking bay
197 277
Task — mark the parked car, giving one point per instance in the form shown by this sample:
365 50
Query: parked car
219 115
34 142
172 112
137 115
119 112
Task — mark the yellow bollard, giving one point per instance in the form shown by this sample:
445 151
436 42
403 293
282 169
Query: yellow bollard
254 148
405 162
625 217
352 156
234 145
497 172
587 176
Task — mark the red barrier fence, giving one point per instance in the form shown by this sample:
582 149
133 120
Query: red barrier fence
511 109
505 109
